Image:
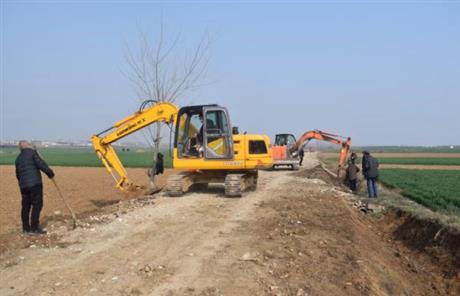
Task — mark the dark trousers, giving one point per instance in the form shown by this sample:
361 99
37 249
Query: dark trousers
352 184
301 160
372 187
32 199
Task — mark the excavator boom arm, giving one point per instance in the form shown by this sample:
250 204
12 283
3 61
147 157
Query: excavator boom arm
318 135
158 112
328 137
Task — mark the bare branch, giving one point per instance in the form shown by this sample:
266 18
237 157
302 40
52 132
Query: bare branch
162 73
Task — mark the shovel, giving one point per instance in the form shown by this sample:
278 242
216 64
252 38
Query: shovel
74 218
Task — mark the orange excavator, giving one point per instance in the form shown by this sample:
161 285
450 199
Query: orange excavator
286 149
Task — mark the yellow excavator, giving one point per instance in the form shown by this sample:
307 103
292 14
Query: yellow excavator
206 148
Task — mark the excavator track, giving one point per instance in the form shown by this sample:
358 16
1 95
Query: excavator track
177 185
236 184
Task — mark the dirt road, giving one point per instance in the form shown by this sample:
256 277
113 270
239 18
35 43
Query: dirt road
293 236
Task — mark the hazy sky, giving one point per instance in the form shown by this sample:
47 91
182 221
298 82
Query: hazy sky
384 74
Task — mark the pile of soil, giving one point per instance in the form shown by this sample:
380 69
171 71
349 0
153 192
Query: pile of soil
312 243
318 172
437 244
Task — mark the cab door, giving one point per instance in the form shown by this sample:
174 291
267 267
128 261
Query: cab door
218 143
290 143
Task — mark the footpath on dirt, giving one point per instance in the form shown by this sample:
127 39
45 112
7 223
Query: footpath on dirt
298 234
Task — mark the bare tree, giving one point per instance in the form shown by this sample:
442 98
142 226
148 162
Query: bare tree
160 72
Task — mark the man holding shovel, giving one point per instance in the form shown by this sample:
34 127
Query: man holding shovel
28 167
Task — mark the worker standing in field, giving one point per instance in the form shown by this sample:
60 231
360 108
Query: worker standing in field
301 155
159 169
352 174
28 167
371 173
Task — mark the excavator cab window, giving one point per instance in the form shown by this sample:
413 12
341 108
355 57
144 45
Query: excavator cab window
257 147
290 140
188 134
204 132
280 140
217 134
284 139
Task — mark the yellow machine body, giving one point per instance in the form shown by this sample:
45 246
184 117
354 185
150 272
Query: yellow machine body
222 150
242 158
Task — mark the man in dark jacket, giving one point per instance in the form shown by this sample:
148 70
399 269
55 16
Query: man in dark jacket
371 173
352 174
159 169
301 156
28 167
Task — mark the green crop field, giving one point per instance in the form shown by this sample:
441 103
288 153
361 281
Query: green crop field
399 149
421 161
412 160
408 149
436 189
84 157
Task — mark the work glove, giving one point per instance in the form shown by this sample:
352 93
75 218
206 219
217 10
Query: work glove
51 175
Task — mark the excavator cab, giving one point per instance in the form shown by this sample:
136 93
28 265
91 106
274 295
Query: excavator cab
203 132
284 151
207 150
286 140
